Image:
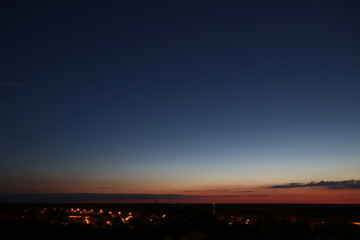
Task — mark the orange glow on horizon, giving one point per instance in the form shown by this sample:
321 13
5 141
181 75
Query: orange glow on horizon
273 196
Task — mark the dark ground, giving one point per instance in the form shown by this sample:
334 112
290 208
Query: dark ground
247 221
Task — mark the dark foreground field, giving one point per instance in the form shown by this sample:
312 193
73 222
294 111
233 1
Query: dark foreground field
151 221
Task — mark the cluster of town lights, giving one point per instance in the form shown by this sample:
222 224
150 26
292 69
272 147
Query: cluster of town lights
84 215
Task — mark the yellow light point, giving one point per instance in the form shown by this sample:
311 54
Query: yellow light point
163 216
108 223
101 211
78 209
119 213
130 213
110 212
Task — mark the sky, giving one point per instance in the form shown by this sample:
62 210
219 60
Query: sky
180 101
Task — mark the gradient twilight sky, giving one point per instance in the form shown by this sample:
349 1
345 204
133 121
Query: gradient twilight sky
226 101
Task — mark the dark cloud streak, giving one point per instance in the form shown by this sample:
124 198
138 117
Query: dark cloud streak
346 184
106 197
11 84
88 197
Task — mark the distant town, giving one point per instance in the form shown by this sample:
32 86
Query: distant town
181 221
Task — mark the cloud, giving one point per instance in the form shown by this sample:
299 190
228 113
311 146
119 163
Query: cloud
228 196
103 197
219 190
89 197
242 191
346 184
252 195
289 195
11 84
209 190
237 196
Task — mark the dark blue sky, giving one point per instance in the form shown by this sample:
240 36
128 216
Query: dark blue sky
125 91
